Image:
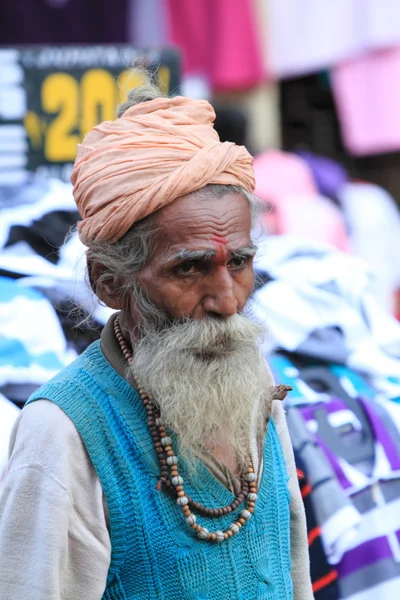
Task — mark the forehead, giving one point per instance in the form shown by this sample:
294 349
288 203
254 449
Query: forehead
200 223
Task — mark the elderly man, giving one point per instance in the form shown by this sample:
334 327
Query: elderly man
157 465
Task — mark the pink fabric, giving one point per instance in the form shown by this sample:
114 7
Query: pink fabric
220 41
285 182
155 153
312 217
367 95
281 173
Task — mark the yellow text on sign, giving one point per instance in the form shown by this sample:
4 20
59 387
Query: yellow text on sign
79 106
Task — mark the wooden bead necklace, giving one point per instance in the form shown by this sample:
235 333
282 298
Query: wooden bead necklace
174 482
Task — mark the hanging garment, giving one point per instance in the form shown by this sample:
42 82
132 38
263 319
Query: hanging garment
285 182
335 514
32 246
340 318
370 566
32 345
373 220
219 41
367 97
32 191
51 197
323 575
286 372
63 22
358 513
148 23
309 35
329 176
45 235
282 174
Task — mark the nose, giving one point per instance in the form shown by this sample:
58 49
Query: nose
220 296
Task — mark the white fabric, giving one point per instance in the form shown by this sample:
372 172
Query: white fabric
58 197
381 521
388 590
339 532
8 415
305 36
33 347
373 220
315 287
67 278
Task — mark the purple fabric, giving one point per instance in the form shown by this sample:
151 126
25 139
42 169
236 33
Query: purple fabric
344 482
365 554
332 406
329 176
67 22
382 436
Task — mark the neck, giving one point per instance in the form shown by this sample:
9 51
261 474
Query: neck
224 455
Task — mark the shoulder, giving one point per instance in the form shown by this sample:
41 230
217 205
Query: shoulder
43 424
85 378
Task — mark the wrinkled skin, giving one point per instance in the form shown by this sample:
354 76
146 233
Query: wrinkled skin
184 285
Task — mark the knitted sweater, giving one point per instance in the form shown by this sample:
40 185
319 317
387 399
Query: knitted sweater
154 553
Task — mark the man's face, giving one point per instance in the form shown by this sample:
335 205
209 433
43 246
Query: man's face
206 374
203 259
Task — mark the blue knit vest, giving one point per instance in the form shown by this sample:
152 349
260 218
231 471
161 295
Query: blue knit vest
155 555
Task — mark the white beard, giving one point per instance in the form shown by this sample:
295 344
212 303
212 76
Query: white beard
210 381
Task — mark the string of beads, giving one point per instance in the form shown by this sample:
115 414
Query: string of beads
170 474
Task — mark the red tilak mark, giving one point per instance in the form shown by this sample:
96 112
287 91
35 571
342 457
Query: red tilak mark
220 239
221 253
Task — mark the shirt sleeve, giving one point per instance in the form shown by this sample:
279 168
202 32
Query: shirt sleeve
302 589
54 542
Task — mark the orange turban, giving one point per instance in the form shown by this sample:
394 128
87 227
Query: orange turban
156 152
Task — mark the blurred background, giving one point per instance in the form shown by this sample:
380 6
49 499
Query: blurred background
312 88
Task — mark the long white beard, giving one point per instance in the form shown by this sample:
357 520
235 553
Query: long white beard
210 381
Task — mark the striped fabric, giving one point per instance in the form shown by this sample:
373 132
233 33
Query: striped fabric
323 575
369 562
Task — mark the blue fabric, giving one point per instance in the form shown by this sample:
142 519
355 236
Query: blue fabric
155 555
33 347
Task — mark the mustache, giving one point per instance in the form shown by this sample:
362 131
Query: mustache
210 336
155 322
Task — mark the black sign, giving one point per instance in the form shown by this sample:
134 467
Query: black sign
50 97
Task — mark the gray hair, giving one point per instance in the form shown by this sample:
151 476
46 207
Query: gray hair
144 93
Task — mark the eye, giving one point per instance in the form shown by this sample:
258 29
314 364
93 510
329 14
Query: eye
238 262
186 269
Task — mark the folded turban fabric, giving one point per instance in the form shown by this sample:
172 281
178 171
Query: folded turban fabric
155 153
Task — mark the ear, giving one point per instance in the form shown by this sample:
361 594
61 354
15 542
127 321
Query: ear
109 291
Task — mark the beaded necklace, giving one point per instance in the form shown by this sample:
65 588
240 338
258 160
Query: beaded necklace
174 482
